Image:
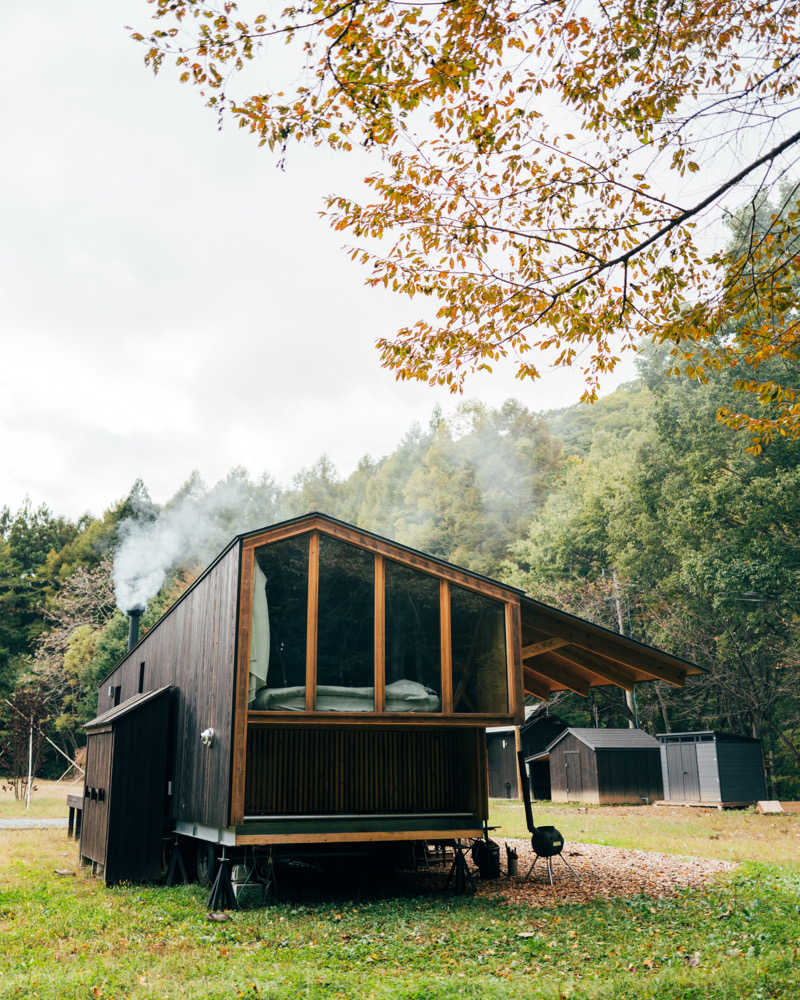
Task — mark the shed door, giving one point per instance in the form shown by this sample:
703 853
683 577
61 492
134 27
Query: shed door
96 788
684 776
572 768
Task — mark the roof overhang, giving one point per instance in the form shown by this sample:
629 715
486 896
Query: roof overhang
131 704
561 652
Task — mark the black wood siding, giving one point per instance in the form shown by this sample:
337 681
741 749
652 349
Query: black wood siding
193 648
573 771
138 801
629 775
502 765
94 821
605 776
536 736
741 771
126 767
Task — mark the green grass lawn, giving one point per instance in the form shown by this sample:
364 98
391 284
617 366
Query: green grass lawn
730 835
69 937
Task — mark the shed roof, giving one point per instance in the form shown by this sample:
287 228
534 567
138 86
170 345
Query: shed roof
609 739
129 705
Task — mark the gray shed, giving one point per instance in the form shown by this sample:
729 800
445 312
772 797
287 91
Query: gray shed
710 767
603 766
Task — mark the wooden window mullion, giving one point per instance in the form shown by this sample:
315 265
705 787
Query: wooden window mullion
380 634
447 647
311 621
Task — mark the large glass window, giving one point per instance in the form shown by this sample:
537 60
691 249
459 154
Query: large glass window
278 626
413 641
345 630
479 653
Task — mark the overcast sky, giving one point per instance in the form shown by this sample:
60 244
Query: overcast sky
169 300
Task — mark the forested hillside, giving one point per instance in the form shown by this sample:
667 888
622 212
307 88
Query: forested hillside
641 512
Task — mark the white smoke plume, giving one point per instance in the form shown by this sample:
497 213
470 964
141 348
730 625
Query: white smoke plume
188 532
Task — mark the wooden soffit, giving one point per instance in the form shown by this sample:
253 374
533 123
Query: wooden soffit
561 652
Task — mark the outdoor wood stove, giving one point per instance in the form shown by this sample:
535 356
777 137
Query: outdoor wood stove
547 842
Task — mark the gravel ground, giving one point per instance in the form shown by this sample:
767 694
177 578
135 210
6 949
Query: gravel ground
603 872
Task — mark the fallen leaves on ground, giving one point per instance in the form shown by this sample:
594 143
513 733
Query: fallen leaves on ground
602 872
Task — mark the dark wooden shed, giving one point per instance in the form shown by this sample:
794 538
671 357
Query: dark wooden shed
125 788
603 766
332 686
712 768
535 736
501 751
539 729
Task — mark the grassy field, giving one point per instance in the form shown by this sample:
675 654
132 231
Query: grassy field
730 835
65 936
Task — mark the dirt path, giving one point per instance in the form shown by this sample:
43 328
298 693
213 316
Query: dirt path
31 824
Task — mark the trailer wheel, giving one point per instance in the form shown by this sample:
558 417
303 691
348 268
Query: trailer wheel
205 862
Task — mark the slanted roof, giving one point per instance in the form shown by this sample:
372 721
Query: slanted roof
560 652
609 739
129 705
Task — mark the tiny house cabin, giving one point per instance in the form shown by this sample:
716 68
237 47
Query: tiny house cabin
329 686
712 768
603 766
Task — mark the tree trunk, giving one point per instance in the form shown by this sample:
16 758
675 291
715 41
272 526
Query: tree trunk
621 623
662 705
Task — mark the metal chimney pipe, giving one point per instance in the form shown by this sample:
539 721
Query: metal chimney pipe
133 626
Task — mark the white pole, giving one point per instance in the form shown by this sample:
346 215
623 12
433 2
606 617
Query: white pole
43 733
30 765
630 697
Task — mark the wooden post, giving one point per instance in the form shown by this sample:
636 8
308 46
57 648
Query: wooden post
514 660
241 684
518 747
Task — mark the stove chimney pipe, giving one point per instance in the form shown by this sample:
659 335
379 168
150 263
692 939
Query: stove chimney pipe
133 626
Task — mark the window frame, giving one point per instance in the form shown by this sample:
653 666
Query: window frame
381 552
